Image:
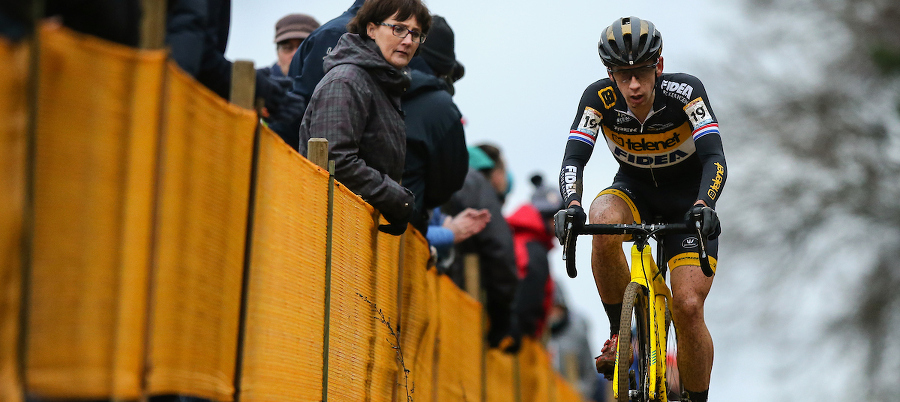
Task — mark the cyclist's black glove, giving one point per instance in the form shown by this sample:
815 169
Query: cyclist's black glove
709 220
575 214
398 218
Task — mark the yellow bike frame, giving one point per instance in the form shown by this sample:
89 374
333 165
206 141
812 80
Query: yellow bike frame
645 273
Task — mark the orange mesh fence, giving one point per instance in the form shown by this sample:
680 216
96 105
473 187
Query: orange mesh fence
419 320
534 371
286 300
565 392
501 385
196 288
95 149
384 359
460 344
352 318
14 65
141 204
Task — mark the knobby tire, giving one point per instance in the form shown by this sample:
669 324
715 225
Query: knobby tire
673 379
634 311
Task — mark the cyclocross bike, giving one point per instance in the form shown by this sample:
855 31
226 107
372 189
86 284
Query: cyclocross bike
645 307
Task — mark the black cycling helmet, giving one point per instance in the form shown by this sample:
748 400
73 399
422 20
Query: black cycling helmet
628 41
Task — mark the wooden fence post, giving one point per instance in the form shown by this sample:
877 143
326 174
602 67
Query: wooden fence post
243 84
317 152
153 24
472 275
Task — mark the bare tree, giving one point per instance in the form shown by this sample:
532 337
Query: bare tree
814 154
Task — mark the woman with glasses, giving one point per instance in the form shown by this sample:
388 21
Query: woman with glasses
662 130
356 105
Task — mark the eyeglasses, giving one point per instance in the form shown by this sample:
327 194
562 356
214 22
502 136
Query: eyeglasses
643 73
401 31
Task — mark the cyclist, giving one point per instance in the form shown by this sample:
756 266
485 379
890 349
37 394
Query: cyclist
662 131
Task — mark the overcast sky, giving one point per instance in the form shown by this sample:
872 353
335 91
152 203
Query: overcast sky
527 64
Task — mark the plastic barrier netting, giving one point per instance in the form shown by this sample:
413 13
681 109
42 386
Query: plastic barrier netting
95 149
459 344
501 385
283 340
149 192
13 122
200 241
534 371
419 321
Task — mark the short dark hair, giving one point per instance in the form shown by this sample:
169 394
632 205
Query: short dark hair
376 11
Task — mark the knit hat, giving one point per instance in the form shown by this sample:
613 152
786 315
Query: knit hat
438 48
294 26
545 199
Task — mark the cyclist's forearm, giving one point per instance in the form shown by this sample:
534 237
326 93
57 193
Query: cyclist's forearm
571 173
715 171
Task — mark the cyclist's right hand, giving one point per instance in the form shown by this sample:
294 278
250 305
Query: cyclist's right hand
574 215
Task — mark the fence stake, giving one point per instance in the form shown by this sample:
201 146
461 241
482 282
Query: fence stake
27 229
248 255
153 24
317 152
471 266
328 244
243 84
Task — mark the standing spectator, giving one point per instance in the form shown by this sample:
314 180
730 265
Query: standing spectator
356 106
290 31
436 155
113 20
532 227
494 244
307 69
570 349
499 177
197 32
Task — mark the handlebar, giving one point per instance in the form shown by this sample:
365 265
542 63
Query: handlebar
640 231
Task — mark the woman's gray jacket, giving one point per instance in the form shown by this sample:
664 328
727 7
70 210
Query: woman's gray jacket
356 107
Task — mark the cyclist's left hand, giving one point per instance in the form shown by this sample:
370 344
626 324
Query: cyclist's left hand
575 214
709 220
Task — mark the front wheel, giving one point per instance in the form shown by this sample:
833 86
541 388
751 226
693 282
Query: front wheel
673 379
634 340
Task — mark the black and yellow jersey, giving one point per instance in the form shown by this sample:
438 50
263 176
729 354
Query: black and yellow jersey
678 144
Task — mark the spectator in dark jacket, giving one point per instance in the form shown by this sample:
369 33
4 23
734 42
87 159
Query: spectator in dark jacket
290 31
436 156
533 237
494 244
306 69
356 106
197 32
114 20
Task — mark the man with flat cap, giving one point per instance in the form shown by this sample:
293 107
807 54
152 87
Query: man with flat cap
290 31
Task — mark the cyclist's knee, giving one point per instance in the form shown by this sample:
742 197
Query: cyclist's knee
687 308
609 209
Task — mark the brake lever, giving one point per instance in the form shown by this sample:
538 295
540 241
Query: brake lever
569 246
704 256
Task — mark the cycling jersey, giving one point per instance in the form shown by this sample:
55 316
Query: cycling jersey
677 145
